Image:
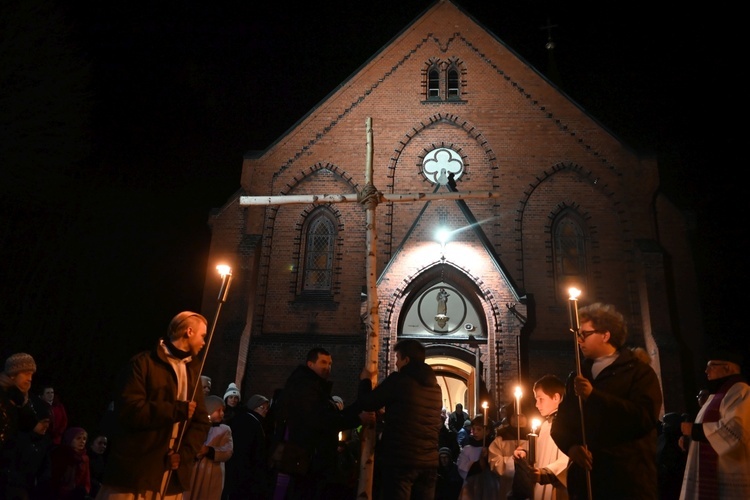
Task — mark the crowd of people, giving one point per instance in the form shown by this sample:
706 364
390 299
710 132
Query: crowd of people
599 436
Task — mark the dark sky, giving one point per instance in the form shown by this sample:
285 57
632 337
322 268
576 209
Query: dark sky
125 123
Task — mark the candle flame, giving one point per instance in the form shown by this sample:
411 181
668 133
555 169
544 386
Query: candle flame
574 293
535 425
517 392
485 405
224 269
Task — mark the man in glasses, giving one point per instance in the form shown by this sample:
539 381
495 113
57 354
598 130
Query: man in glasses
718 463
620 398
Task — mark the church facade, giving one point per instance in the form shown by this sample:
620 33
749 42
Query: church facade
496 194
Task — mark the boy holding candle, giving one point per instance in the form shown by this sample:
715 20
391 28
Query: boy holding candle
546 465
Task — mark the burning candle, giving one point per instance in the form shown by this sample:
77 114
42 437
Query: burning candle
574 293
532 441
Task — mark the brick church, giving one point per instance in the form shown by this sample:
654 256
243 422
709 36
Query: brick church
497 193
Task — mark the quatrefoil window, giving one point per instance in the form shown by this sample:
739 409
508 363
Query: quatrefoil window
441 162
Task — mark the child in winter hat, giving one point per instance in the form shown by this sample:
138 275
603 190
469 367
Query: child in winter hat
213 403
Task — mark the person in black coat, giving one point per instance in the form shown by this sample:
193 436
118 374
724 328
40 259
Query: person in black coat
449 481
408 450
248 475
16 410
449 439
457 418
309 419
621 400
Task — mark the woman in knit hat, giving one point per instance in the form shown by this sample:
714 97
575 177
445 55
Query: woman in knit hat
207 482
248 476
16 411
231 402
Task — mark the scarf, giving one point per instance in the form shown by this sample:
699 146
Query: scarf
708 487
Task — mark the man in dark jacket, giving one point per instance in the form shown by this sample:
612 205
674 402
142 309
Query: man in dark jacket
457 418
152 404
621 400
309 418
408 450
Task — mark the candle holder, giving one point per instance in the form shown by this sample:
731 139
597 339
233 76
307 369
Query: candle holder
485 406
532 442
517 393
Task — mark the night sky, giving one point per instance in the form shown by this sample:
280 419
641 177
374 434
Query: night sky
124 123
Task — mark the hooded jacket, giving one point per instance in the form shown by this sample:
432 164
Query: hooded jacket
412 399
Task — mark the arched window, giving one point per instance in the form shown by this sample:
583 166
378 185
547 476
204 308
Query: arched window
318 272
433 83
569 248
454 89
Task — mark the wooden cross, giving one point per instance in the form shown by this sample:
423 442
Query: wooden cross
369 197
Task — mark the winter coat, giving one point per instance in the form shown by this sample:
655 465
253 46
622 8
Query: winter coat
313 420
412 399
70 476
16 415
621 418
146 408
247 472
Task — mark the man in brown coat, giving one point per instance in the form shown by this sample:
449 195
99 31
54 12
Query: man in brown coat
153 408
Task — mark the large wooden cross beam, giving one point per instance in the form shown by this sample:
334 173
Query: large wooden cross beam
369 197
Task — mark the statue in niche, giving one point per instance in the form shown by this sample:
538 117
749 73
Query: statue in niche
442 308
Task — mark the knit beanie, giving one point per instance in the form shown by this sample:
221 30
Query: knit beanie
71 433
445 451
255 401
20 362
232 391
212 403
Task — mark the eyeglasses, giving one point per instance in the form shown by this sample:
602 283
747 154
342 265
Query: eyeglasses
584 334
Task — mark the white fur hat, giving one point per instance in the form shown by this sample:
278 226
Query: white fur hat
232 391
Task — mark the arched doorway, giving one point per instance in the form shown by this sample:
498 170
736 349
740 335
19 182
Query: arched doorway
456 370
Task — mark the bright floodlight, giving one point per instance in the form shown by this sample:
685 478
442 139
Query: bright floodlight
443 235
574 293
224 269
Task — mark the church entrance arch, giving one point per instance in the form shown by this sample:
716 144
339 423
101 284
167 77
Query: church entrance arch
444 310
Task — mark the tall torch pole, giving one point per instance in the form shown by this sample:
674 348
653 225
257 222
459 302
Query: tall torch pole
226 278
575 327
